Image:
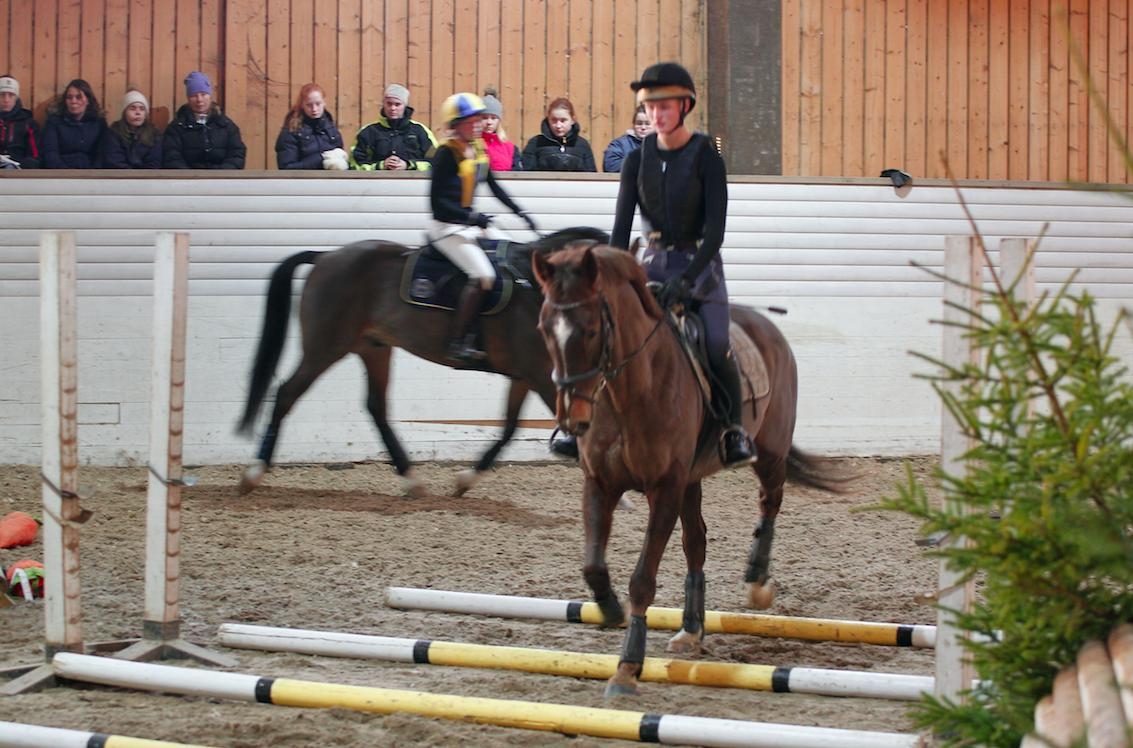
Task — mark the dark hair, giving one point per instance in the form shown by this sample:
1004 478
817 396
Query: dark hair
640 110
60 105
562 103
295 116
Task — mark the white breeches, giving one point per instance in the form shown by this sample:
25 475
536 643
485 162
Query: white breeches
458 243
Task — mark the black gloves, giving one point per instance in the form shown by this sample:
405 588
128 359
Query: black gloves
675 290
481 219
528 220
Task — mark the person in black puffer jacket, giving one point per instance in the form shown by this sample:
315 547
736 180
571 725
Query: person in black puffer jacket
74 130
19 134
132 142
559 147
309 138
200 136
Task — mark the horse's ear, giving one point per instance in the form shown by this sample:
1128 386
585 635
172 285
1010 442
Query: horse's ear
590 267
544 271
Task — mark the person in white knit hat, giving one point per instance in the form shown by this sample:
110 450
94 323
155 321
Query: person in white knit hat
19 133
132 142
394 141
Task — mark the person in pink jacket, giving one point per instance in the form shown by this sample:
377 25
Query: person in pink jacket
503 155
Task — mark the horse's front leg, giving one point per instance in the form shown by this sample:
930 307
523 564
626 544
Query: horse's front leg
694 539
516 394
597 518
760 590
664 507
376 357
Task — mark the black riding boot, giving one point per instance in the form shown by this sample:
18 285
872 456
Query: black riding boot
462 347
566 446
736 448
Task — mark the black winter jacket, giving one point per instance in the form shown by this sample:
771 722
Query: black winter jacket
545 152
128 152
19 136
303 149
406 137
216 144
70 143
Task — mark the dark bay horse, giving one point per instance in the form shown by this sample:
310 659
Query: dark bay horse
626 388
351 304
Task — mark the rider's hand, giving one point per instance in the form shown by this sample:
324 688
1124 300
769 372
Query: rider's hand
528 220
675 290
483 220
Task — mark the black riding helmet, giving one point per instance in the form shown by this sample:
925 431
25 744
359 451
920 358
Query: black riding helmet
665 80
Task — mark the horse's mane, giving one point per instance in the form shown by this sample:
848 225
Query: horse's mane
620 266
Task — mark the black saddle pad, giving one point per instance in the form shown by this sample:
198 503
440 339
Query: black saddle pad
430 279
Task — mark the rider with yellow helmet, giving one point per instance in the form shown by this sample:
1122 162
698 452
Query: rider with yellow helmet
461 163
678 181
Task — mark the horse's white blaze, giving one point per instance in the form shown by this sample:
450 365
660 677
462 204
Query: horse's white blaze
562 330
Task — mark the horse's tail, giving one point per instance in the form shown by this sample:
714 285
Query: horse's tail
276 315
817 472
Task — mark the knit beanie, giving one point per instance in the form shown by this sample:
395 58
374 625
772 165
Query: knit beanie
197 82
8 84
134 96
397 91
493 106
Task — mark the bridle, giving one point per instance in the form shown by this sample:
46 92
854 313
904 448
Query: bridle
605 367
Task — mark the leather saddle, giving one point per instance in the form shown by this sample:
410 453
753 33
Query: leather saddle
430 279
754 380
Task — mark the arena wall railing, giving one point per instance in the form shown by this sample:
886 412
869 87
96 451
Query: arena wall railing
836 254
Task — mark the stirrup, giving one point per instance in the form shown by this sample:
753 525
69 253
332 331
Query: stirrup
465 352
740 451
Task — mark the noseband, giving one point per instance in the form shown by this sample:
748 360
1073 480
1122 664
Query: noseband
605 366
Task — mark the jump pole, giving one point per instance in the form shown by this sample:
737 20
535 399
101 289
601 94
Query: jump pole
529 715
820 682
161 626
18 735
668 619
59 402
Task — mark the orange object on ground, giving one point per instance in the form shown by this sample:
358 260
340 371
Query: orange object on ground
16 529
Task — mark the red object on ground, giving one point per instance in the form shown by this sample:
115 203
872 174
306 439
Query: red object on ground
16 529
34 572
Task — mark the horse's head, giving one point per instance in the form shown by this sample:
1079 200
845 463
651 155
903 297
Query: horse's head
574 323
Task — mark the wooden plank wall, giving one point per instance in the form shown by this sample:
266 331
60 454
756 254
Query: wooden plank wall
991 84
259 54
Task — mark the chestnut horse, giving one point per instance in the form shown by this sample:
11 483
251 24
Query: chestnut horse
351 303
626 388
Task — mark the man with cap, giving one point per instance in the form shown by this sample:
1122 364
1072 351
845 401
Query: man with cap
395 141
19 134
200 136
678 181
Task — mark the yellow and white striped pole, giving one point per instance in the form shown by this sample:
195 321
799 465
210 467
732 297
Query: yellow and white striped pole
669 619
19 735
528 715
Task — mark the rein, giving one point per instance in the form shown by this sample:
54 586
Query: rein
605 366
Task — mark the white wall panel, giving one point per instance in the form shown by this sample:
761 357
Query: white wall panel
837 255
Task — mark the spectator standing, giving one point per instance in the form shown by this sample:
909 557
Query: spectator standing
132 142
623 145
503 155
200 136
558 146
74 130
309 138
394 141
19 133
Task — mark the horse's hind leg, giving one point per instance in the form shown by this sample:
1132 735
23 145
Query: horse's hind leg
376 357
772 475
694 539
516 394
286 396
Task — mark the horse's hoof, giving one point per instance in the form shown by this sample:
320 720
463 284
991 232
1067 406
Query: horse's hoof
619 688
252 478
684 643
760 596
413 486
465 480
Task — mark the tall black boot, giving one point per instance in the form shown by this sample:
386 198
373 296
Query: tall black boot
462 346
736 447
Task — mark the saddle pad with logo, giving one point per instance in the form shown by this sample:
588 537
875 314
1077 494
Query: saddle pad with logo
753 371
430 279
